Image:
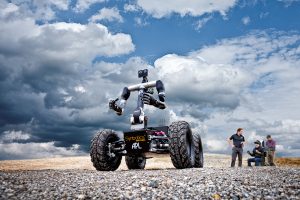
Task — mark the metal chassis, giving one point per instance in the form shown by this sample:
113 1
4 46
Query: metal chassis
119 147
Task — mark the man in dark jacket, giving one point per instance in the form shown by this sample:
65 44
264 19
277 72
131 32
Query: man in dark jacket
257 153
237 142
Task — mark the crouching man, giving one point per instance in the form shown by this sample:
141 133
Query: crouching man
257 153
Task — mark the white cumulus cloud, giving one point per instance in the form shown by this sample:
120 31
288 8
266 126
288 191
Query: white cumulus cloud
107 14
67 40
238 82
131 8
40 10
159 9
190 79
83 5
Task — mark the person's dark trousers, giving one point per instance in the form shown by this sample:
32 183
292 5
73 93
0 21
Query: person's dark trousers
257 161
236 152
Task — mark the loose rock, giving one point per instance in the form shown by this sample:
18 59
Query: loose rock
206 183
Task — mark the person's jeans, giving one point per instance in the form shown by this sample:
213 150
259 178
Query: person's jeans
257 161
236 152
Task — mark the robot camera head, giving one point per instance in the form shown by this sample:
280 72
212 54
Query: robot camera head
143 73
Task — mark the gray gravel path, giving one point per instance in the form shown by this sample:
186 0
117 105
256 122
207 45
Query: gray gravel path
206 183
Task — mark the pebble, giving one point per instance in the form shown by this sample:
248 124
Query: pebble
153 184
81 196
206 183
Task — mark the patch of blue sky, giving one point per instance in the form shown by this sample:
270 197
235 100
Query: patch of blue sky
177 34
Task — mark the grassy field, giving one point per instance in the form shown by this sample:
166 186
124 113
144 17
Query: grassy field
295 162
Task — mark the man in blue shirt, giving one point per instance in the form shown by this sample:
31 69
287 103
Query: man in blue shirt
237 142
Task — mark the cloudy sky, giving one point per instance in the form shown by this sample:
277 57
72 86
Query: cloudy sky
225 64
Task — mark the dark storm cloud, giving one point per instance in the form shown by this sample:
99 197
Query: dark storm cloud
65 122
46 77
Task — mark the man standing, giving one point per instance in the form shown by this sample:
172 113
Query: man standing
237 142
270 145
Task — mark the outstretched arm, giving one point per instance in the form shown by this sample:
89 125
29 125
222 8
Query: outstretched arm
251 154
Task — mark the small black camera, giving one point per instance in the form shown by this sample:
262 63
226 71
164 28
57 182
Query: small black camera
143 73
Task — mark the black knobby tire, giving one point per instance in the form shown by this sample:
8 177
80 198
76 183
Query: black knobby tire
99 152
199 160
181 145
135 162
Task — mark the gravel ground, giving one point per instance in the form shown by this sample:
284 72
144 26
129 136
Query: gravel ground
206 183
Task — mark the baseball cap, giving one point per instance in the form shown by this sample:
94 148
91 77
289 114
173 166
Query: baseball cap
257 142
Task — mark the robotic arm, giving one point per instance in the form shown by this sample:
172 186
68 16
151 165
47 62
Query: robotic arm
120 108
145 96
112 105
150 100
